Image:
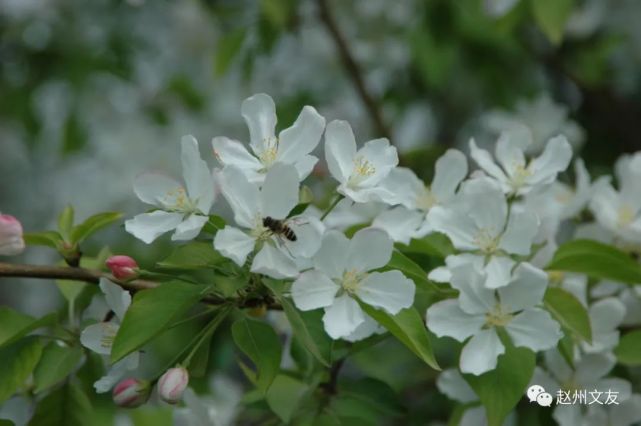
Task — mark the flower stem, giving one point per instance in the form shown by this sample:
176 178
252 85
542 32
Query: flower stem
331 207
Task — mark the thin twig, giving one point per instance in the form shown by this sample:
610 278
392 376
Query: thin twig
353 69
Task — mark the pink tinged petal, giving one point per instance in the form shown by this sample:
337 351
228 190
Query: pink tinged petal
274 263
99 337
369 249
449 172
340 149
332 255
534 328
158 190
400 223
117 298
279 194
259 113
234 244
242 196
451 383
526 290
382 156
343 317
481 353
519 234
554 159
302 137
172 384
229 152
149 226
198 178
484 160
11 241
498 272
474 298
446 318
189 228
456 225
313 290
390 290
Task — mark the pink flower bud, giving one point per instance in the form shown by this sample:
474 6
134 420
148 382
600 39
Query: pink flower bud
172 384
122 267
11 242
131 393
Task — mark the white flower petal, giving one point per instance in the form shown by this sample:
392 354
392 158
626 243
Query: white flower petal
526 290
242 196
117 298
115 373
189 228
446 318
305 166
451 383
509 150
272 262
481 353
369 249
364 330
456 225
486 205
343 317
313 290
302 137
332 255
198 178
474 298
99 337
554 159
498 272
449 171
402 186
400 223
591 368
229 152
234 244
558 366
149 226
484 160
519 234
382 156
259 113
309 231
535 329
390 290
157 189
279 194
340 149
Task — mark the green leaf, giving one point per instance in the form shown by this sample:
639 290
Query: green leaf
15 325
628 351
377 396
65 222
411 270
408 327
67 406
502 388
55 364
276 11
261 344
193 255
226 50
597 260
150 313
284 396
93 224
47 238
435 245
569 312
18 362
551 16
72 289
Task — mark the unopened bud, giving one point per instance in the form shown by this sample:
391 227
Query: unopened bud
131 393
122 267
11 242
172 384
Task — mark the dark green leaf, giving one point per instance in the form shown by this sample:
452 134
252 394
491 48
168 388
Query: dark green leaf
226 50
67 406
284 396
597 260
16 325
552 15
434 244
408 327
411 270
93 224
193 255
569 312
628 351
501 389
150 313
18 362
375 394
55 364
261 344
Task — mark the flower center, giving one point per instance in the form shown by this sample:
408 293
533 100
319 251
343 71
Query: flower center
177 200
626 215
108 335
497 318
270 150
426 199
351 280
362 169
487 240
519 175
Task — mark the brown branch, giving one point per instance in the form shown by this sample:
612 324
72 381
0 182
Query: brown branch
352 68
93 277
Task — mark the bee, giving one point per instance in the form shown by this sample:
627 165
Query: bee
279 228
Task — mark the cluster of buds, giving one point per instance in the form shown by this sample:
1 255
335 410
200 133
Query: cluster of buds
132 393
